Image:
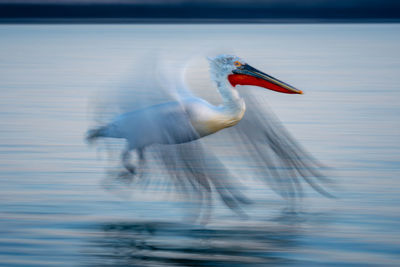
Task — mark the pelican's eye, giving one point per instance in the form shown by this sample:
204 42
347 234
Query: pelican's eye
237 63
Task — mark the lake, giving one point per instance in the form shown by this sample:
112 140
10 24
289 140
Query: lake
56 208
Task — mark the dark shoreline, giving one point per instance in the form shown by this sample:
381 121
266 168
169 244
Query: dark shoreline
314 11
192 21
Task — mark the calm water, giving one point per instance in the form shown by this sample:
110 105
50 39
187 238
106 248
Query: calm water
55 209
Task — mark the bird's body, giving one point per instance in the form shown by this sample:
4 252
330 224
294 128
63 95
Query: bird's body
158 124
170 123
180 121
190 118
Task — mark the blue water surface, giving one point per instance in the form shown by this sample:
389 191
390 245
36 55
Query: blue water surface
57 210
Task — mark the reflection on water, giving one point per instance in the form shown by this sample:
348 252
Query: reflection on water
179 244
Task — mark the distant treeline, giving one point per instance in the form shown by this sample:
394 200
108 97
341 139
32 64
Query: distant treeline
207 11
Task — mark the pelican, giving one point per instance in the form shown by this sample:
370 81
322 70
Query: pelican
182 123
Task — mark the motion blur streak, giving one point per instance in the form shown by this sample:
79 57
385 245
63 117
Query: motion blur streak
177 127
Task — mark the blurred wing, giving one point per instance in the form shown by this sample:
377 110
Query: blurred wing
195 169
191 168
152 79
278 158
171 74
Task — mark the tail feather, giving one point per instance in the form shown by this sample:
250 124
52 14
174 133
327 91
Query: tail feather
93 134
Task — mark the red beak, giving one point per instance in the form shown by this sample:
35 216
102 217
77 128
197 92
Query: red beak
247 75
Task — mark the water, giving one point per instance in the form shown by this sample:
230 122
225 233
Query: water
55 210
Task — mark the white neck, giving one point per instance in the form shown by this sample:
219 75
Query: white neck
233 106
208 119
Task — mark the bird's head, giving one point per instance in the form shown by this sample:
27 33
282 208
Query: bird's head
238 72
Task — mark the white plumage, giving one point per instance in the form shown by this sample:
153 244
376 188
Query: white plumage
188 118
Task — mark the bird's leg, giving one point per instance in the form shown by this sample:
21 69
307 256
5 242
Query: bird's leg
126 161
140 153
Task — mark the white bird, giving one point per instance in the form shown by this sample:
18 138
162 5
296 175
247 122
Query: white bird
188 118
